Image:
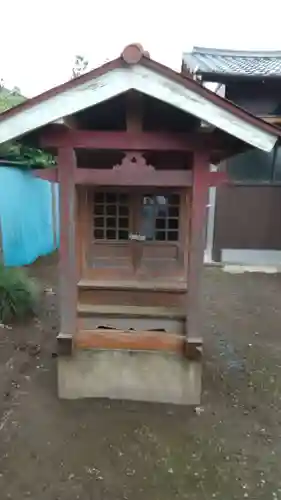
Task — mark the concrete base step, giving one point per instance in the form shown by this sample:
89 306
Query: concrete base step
141 376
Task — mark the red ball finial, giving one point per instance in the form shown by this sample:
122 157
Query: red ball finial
133 53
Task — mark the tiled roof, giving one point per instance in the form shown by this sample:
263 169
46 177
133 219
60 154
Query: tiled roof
233 62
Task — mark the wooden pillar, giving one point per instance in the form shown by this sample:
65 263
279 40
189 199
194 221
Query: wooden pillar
134 112
54 214
67 267
211 223
200 191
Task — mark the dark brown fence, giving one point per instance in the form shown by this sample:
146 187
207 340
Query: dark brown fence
247 217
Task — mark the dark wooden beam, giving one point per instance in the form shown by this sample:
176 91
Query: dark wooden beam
153 178
131 140
134 112
67 269
200 192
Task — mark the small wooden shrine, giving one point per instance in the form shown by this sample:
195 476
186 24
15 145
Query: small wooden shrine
134 142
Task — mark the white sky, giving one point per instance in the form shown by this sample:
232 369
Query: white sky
39 39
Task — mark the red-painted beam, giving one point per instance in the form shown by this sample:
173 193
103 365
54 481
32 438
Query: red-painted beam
104 177
110 177
47 174
217 179
130 141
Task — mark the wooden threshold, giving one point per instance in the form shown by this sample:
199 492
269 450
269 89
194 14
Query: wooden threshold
132 311
119 339
134 285
138 341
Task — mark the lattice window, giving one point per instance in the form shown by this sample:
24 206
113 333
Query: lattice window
111 216
160 217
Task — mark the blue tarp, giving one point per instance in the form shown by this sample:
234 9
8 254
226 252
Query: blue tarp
27 216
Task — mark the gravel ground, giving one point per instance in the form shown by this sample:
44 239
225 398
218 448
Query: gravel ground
229 448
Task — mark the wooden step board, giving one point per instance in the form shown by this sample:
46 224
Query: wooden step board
101 339
138 341
137 318
132 311
130 293
120 339
135 285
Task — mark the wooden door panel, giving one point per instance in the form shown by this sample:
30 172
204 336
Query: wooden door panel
135 235
110 251
159 251
163 233
159 260
111 255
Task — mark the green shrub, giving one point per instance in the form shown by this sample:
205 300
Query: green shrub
19 294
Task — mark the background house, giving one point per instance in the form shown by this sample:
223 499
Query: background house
244 221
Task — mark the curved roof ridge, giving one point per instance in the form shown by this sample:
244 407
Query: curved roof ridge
234 52
249 63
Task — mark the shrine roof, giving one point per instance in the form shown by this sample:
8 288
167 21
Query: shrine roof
134 69
254 63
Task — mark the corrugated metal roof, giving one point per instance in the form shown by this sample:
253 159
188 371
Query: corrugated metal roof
233 62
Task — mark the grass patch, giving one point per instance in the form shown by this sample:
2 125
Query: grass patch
19 294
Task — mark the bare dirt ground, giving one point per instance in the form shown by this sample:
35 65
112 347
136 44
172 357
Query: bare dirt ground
229 449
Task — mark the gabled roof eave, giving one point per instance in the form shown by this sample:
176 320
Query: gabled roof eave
146 76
